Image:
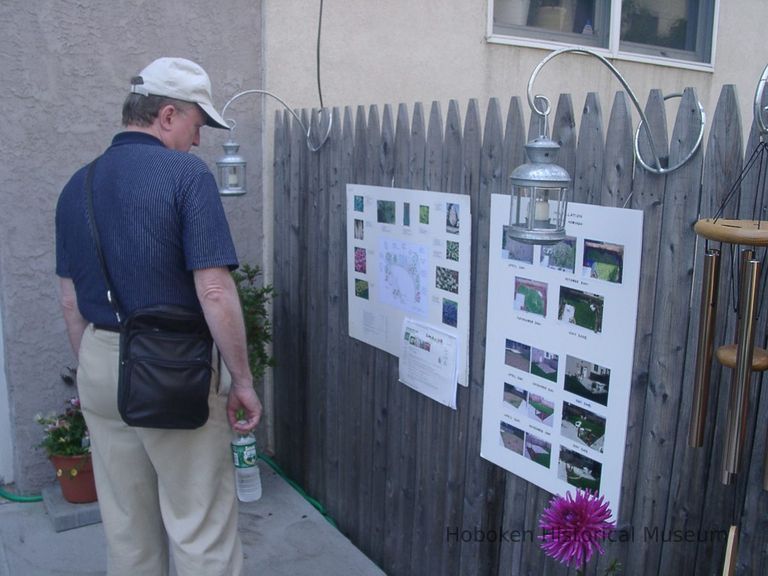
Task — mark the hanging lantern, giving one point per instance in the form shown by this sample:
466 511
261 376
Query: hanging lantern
231 168
539 195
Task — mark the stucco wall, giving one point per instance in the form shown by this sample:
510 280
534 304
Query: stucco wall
65 67
6 448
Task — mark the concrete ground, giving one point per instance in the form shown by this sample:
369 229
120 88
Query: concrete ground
283 535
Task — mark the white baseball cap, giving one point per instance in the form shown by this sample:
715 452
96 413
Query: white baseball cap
180 79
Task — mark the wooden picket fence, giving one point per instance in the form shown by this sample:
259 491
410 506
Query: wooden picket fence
401 474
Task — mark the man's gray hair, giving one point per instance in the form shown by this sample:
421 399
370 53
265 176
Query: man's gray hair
139 110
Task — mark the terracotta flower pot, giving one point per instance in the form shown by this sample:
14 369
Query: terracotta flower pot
75 475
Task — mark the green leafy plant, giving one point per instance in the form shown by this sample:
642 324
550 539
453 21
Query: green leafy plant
254 298
65 434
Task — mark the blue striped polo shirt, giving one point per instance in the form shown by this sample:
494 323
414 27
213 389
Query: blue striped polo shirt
159 217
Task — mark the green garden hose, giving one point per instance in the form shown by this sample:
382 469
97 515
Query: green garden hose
17 498
315 504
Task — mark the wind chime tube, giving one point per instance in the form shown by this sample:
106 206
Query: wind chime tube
765 472
708 313
742 374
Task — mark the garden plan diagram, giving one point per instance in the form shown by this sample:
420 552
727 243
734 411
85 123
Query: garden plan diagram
408 254
559 349
403 273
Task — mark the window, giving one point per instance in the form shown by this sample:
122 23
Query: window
676 32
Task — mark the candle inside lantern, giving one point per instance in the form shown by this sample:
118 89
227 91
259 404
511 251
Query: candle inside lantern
541 210
232 179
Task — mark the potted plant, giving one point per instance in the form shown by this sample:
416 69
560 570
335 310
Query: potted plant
255 298
67 444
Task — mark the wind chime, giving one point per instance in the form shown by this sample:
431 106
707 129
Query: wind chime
742 358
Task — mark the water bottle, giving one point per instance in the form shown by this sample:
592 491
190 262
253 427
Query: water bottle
247 475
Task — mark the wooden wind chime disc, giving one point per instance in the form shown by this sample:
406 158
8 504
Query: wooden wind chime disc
746 232
726 355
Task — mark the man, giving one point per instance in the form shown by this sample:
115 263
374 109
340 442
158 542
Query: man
165 241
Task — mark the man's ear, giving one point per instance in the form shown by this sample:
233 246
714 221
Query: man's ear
165 116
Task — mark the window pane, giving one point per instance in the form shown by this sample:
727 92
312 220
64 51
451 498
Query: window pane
583 22
668 27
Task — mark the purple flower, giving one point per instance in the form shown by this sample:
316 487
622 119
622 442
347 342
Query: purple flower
573 527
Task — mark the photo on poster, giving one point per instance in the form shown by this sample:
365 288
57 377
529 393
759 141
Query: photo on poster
541 410
415 340
515 396
406 214
579 471
359 204
603 261
530 296
361 289
452 250
385 211
560 256
447 279
512 249
517 355
544 364
450 312
360 264
538 450
423 214
582 426
581 308
359 229
512 438
587 380
452 218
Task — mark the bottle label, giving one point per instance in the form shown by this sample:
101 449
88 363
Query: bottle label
244 455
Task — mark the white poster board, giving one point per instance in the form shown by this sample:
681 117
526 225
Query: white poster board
408 255
559 349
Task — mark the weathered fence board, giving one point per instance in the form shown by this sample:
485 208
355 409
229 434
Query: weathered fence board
690 467
670 332
647 193
587 178
619 158
401 474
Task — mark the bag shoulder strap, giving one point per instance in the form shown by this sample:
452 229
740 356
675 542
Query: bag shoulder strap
95 233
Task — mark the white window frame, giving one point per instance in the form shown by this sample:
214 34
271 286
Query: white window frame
613 50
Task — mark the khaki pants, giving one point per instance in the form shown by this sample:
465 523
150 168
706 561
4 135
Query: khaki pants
158 487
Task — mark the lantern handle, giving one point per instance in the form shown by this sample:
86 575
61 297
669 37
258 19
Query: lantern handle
657 168
307 131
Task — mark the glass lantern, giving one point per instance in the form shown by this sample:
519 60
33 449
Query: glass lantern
539 196
231 169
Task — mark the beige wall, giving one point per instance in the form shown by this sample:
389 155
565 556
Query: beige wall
65 67
402 51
